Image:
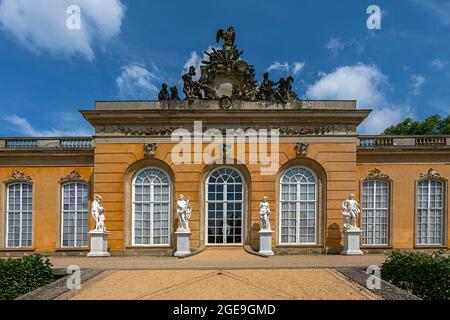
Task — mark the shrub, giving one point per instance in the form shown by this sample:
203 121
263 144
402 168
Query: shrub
424 275
20 276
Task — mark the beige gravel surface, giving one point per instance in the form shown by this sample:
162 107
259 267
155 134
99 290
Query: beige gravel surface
220 274
219 259
278 284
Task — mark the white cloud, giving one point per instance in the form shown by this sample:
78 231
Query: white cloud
363 83
73 127
380 119
417 82
294 68
439 63
297 67
358 82
437 8
40 25
195 60
335 45
137 82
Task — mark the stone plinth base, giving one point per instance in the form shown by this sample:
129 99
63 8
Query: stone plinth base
265 242
99 244
183 243
352 242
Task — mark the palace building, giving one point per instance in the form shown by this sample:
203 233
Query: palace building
229 143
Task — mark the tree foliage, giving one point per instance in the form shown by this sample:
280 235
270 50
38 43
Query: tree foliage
424 275
434 125
20 276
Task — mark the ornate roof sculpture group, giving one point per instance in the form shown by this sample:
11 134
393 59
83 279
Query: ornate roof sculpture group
226 66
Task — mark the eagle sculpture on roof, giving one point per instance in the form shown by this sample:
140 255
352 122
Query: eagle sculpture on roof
228 36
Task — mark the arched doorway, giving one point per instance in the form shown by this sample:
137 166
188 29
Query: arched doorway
225 203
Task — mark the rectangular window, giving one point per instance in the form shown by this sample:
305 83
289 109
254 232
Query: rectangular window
19 216
430 218
375 212
75 217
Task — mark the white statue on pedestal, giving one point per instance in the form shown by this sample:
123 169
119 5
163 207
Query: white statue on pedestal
98 214
184 213
264 214
350 211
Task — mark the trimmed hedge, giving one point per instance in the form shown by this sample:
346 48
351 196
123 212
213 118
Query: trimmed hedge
23 275
424 275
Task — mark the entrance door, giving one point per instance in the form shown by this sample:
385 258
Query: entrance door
224 207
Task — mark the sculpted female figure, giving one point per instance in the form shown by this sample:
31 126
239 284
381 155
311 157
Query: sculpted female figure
184 213
264 214
98 214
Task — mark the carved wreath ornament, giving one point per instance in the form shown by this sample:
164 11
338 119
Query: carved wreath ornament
73 176
18 176
376 174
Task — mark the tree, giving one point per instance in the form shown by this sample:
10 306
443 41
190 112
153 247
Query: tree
433 125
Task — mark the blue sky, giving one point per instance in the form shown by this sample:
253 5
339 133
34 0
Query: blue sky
126 48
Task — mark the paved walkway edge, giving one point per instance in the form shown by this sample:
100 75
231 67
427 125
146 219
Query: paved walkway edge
58 287
388 291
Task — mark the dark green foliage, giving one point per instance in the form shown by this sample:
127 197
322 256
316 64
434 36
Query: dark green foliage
424 275
20 276
433 125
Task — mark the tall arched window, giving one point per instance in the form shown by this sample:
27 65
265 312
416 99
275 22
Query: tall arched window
225 207
430 212
299 189
74 215
19 215
375 212
151 208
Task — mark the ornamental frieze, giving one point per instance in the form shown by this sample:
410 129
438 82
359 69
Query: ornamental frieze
167 131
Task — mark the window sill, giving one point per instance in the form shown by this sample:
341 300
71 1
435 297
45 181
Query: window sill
377 246
17 249
72 249
430 246
299 246
166 246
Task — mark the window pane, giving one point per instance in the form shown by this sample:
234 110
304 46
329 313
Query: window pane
375 212
430 203
151 208
19 215
298 207
225 205
75 215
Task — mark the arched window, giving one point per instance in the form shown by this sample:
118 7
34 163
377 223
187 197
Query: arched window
151 208
225 207
298 204
19 215
430 212
375 212
74 215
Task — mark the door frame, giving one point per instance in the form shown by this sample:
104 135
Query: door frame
245 206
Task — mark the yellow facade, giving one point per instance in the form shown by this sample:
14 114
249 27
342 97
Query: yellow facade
339 159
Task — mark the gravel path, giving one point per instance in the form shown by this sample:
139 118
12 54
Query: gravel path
278 284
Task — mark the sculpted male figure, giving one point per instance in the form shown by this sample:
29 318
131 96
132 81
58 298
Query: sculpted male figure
264 214
350 211
184 213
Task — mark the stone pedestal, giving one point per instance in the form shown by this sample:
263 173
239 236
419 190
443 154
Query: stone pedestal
99 244
183 243
265 242
352 242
